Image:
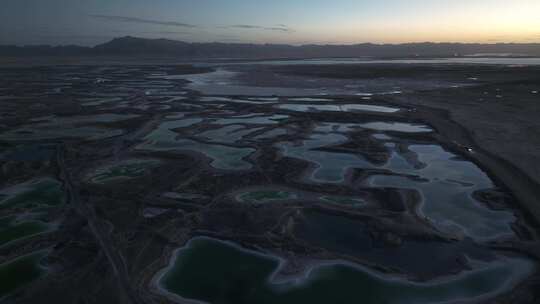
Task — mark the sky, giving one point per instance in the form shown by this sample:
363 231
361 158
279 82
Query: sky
91 22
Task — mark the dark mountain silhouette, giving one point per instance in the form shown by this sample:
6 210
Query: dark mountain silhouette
134 47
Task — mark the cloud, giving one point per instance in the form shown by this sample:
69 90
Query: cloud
142 21
168 33
76 36
128 33
279 27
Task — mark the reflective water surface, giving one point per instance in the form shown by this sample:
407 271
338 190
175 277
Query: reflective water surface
217 272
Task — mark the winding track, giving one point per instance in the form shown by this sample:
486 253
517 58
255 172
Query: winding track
97 227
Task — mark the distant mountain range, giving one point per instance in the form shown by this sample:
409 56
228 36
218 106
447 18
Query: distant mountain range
141 47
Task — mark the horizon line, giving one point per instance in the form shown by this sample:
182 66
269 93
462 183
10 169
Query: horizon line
283 44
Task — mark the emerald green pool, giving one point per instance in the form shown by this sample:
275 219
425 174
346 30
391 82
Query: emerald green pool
12 230
41 193
271 195
265 196
128 169
347 201
213 271
20 272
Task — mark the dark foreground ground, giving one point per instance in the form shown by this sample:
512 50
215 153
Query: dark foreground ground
423 183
